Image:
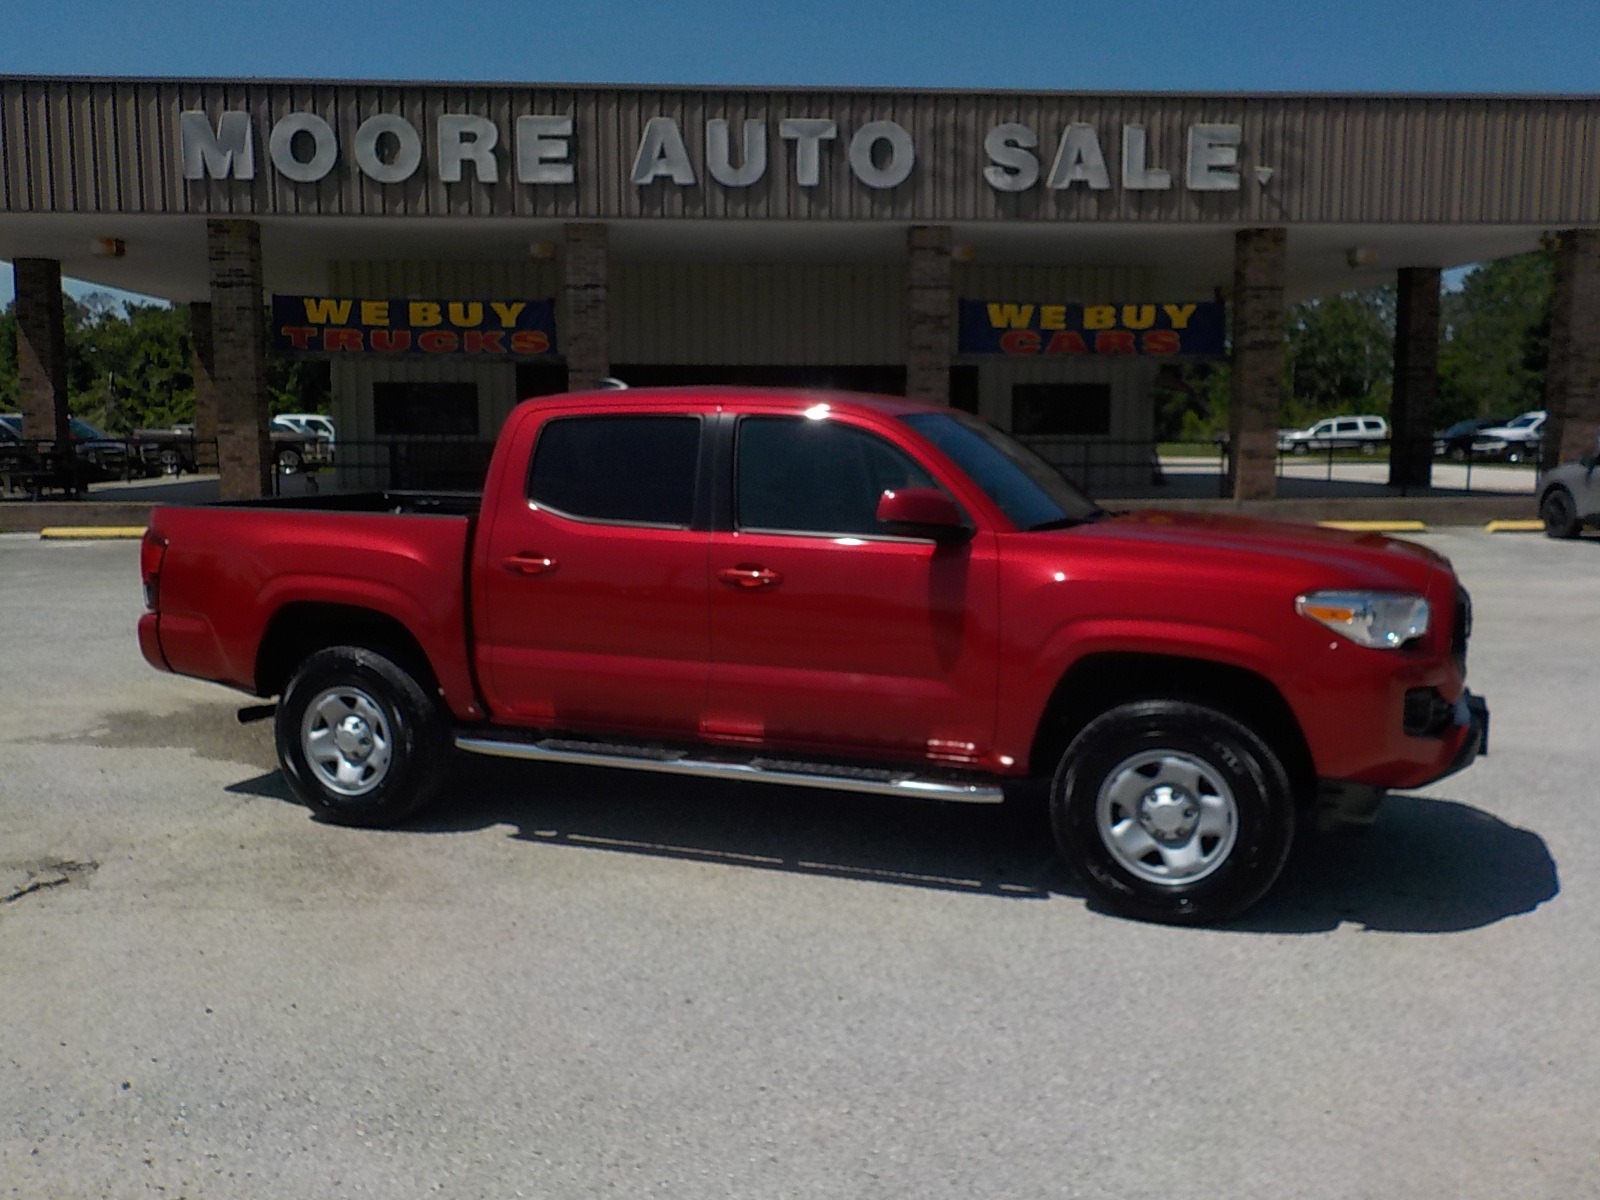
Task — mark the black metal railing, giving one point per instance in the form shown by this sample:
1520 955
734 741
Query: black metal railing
1510 468
1107 468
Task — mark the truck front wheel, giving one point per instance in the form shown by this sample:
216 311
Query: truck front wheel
361 741
1172 811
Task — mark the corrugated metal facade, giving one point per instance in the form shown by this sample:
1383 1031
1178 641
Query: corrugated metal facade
113 146
735 314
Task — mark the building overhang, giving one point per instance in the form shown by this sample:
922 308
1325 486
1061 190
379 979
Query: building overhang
363 171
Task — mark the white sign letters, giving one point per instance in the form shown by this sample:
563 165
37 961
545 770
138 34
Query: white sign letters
304 148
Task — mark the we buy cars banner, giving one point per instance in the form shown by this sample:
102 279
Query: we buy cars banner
331 325
1194 328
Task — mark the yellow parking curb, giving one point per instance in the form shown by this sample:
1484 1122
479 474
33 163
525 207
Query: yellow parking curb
1514 527
1376 526
87 533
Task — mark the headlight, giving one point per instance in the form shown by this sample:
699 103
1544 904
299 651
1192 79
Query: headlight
1381 620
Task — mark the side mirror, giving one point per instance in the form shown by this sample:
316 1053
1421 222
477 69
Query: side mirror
923 512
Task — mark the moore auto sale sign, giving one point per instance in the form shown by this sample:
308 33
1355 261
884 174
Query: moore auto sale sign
542 150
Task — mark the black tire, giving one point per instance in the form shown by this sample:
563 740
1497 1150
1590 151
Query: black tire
1559 512
1300 448
360 706
1206 785
288 461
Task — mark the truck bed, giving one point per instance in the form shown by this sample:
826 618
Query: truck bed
235 572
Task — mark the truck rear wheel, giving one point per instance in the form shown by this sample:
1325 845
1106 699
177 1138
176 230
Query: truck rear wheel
361 741
1171 811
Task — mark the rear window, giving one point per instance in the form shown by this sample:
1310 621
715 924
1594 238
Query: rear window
637 470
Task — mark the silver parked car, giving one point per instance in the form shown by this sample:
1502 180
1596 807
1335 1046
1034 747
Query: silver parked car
1366 432
1569 497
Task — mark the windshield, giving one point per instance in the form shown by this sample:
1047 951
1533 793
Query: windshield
84 431
1031 492
1524 420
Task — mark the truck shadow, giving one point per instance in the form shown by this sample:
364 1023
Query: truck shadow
1426 866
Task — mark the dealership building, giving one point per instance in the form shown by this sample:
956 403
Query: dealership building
1037 257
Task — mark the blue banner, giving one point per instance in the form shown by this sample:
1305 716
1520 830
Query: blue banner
355 325
1195 328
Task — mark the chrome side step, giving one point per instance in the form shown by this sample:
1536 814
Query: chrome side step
793 772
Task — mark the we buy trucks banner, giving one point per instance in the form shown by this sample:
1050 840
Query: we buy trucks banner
1195 328
332 325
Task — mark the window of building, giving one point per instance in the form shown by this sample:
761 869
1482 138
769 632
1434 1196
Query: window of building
795 475
404 408
1061 409
634 469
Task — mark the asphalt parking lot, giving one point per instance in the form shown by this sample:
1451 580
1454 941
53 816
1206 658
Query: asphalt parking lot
571 983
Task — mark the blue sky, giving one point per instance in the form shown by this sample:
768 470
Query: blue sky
1247 45
1242 46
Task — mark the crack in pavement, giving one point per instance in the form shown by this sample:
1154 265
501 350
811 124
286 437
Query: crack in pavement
40 876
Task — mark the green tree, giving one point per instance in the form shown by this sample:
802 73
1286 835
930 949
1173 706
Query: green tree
1494 341
1340 355
9 395
129 365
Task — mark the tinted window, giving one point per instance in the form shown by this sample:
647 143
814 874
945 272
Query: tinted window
638 469
1031 493
799 475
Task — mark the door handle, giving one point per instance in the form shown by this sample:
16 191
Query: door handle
749 575
530 564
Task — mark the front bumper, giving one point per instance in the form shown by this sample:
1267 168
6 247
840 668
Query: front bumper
1472 711
1342 805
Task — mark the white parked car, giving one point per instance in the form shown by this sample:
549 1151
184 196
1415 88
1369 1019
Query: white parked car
1365 432
311 424
1515 441
1569 497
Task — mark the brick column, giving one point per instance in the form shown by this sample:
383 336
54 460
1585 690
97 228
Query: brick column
587 337
1572 378
928 307
1258 357
239 365
1416 378
204 367
41 350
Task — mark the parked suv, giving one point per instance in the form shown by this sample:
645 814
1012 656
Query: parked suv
1336 433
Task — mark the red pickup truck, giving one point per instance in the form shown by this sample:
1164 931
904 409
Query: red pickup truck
833 591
